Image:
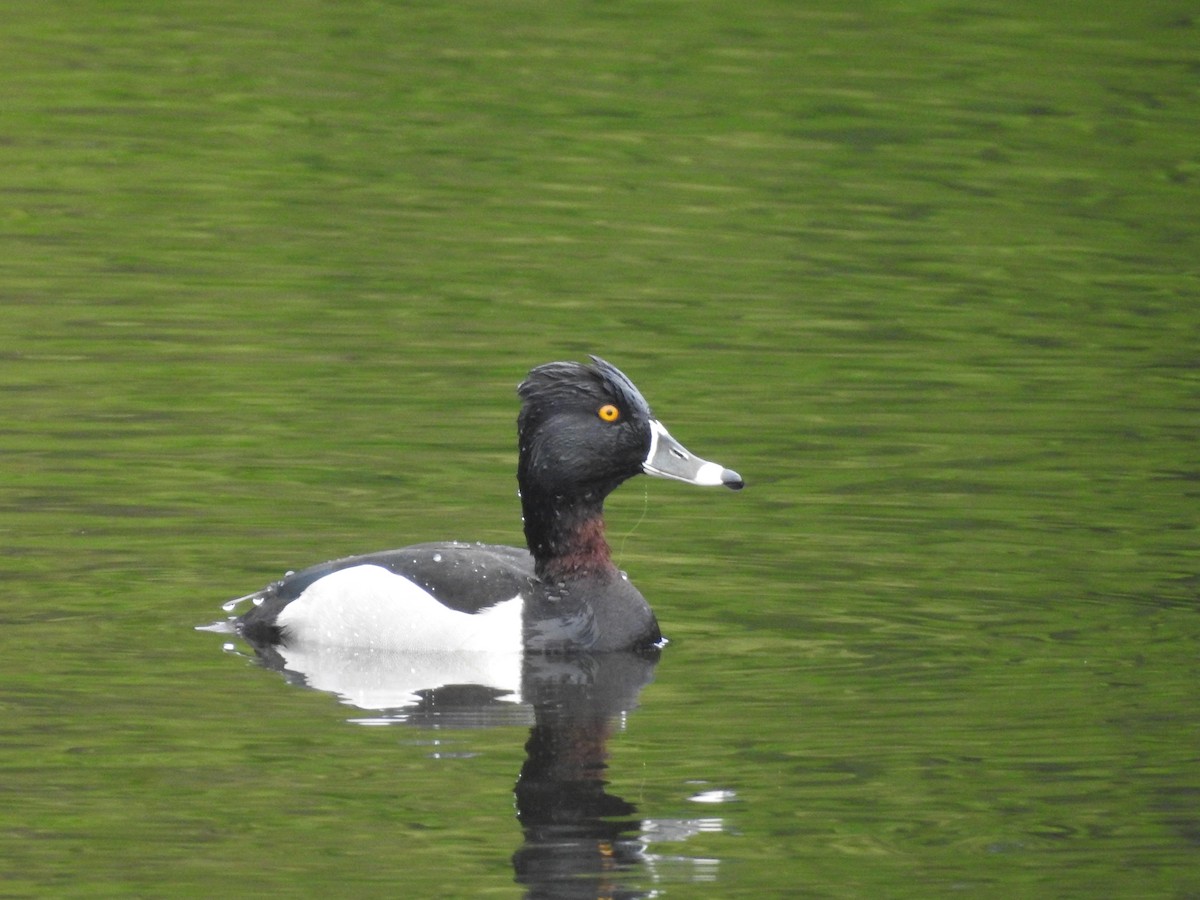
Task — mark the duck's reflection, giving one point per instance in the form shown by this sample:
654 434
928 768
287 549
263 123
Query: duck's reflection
580 841
579 838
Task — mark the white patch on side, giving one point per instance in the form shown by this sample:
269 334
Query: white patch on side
369 608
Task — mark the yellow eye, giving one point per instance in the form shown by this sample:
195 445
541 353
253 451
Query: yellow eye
608 413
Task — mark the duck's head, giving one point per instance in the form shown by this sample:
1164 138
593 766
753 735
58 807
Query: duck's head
584 429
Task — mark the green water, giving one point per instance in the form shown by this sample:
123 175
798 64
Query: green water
924 273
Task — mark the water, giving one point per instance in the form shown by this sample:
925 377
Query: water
924 274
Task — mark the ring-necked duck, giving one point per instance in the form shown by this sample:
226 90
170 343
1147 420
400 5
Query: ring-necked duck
583 429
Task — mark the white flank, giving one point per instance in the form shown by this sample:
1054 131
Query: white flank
369 608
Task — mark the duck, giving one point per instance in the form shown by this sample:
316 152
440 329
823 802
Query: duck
583 429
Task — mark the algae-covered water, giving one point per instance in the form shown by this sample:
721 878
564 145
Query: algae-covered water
924 273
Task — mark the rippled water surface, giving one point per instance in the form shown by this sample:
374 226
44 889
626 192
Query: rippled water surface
924 273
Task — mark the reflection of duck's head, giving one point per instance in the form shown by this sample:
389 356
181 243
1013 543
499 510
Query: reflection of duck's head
583 429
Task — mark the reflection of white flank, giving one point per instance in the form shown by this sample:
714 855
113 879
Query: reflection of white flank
369 608
388 679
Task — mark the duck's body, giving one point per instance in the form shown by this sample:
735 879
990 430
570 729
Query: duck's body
583 430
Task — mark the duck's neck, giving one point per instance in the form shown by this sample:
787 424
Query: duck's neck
566 535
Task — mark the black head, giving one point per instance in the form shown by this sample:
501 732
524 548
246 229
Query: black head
583 429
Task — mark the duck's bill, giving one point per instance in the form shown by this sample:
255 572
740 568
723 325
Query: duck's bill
670 459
